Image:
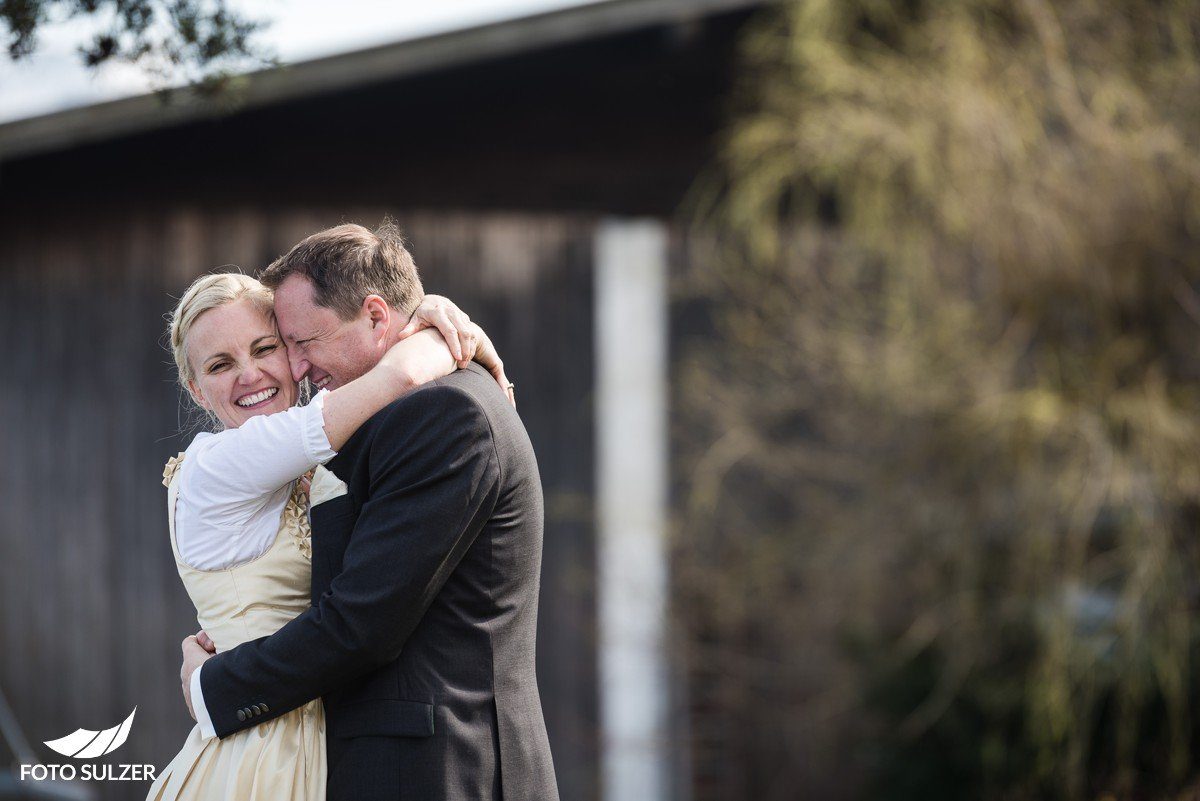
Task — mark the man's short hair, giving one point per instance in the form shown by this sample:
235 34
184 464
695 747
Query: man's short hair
348 262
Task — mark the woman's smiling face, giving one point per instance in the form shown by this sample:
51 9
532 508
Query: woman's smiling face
240 365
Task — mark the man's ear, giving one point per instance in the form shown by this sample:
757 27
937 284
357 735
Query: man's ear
194 391
378 314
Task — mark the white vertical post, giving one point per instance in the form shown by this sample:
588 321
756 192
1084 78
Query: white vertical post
631 398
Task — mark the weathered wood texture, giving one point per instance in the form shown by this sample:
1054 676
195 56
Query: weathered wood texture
91 609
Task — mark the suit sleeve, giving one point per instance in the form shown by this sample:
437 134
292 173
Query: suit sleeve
434 483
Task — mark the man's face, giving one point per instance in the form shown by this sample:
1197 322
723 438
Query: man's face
330 351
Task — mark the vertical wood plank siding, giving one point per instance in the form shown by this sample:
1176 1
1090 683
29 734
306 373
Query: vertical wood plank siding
91 609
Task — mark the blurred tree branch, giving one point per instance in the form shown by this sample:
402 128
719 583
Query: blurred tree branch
948 263
203 41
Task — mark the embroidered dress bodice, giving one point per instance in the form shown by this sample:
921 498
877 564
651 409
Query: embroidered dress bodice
256 598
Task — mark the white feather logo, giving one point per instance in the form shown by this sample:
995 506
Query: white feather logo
86 744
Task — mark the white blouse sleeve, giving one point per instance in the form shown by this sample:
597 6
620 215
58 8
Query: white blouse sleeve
231 475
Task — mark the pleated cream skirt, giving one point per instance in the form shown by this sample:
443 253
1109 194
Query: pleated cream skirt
280 760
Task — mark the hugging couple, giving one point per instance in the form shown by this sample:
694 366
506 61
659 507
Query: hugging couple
364 567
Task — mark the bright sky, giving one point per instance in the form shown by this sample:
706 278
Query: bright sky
54 78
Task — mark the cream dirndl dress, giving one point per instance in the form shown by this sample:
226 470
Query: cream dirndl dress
283 758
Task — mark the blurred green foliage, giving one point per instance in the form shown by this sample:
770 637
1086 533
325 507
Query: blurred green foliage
206 42
940 419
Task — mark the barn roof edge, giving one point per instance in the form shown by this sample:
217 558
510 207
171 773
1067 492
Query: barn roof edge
76 126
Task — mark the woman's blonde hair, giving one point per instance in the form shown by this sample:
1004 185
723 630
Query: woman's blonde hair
210 292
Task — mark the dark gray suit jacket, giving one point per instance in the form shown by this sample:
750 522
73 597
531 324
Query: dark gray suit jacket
425 591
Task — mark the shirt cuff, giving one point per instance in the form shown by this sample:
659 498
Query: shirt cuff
316 441
207 731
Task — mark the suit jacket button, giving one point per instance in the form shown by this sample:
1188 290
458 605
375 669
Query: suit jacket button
241 715
257 709
264 708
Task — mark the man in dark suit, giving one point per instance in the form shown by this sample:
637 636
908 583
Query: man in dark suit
426 561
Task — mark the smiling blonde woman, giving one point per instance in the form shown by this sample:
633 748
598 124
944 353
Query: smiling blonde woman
237 506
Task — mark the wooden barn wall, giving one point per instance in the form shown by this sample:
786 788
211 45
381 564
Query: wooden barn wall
91 609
